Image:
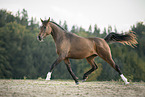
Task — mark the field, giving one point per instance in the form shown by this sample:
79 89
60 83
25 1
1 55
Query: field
67 88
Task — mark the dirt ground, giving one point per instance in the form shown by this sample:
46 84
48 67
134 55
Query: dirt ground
67 88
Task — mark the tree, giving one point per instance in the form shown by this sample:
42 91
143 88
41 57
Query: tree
109 29
96 30
74 29
33 25
81 29
24 20
60 23
6 17
65 25
5 67
18 20
90 29
115 29
104 32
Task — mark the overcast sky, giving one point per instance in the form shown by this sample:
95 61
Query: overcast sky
119 13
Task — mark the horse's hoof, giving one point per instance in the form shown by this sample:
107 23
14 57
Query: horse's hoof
84 80
47 79
127 83
77 83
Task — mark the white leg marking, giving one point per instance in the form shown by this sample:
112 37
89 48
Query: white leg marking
48 76
124 79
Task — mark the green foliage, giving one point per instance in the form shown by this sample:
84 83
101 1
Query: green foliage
22 56
90 29
109 29
96 31
65 25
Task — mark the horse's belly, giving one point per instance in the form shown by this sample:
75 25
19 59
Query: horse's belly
80 54
81 48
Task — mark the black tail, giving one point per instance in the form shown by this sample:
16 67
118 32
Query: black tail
129 39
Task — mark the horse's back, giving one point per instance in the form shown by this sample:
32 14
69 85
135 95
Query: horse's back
81 47
99 41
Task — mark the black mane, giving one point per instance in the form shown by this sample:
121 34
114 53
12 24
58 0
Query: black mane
58 26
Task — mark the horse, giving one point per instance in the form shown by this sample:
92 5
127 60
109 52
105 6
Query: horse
71 46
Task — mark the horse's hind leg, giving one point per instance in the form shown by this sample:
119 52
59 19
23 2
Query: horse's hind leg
106 55
93 64
68 65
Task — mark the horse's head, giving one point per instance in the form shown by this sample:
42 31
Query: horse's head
45 30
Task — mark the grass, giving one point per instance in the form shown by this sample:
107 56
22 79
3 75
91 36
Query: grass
67 88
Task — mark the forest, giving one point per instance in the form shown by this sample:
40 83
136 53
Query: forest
23 56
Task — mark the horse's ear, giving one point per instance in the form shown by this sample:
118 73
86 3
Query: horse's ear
41 20
48 20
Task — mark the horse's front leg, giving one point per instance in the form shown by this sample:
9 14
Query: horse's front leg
68 65
58 60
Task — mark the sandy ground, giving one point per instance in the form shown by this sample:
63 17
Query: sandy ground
67 88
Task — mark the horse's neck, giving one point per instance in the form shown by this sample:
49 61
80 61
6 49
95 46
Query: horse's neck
57 33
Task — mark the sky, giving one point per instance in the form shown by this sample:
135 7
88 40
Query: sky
119 13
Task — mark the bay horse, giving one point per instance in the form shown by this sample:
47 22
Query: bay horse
70 45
